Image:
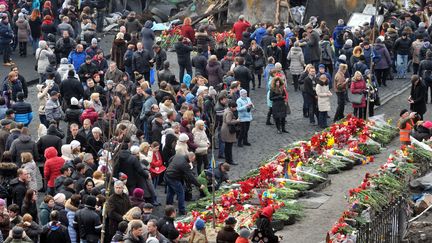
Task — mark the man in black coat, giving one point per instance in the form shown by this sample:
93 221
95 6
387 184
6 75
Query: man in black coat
274 51
87 69
199 62
141 61
54 231
243 74
71 87
19 187
165 225
178 171
135 105
117 205
309 84
75 135
87 221
49 140
418 97
425 72
130 165
183 49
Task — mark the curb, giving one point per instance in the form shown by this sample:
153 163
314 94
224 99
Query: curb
392 95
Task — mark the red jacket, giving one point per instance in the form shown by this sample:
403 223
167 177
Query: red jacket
240 27
188 32
52 165
89 113
242 240
358 87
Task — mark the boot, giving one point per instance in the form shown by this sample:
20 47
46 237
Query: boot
268 119
283 128
278 127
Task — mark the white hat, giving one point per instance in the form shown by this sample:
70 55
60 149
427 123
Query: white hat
60 198
183 137
75 144
342 57
74 101
240 43
201 89
349 42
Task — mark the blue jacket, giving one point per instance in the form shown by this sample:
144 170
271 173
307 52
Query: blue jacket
258 34
266 75
6 33
23 112
243 113
336 31
76 59
367 53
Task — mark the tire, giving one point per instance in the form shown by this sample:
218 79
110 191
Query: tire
157 19
160 14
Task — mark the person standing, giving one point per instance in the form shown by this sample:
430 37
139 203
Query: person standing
382 62
148 37
35 23
313 44
6 37
244 109
418 96
402 48
405 125
296 58
309 84
141 61
187 30
87 221
338 36
183 49
242 74
52 167
23 110
19 187
228 130
278 96
416 47
340 87
42 59
165 225
117 205
358 87
324 94
240 26
23 34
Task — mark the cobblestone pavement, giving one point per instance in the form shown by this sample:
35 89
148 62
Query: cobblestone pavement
266 142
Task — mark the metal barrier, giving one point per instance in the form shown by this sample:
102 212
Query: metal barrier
386 227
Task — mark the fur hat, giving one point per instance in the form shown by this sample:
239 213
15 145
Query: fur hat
183 137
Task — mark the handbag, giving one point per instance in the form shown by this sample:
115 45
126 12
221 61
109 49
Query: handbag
356 98
37 60
233 128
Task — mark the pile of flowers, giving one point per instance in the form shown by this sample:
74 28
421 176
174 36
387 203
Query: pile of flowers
299 167
169 37
379 190
227 36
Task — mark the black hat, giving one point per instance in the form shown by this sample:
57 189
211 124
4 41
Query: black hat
230 221
17 232
403 112
53 93
67 182
90 201
148 206
148 91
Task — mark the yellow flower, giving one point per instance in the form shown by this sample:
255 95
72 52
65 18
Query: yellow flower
330 141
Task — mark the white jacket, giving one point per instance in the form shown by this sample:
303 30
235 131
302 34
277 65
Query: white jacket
201 140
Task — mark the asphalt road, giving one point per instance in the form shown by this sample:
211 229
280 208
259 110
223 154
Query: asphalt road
266 142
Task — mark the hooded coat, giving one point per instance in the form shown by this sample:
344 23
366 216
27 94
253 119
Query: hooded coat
52 165
385 60
214 73
295 55
23 33
148 36
42 57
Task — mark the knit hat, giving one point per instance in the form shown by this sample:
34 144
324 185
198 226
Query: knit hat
75 144
422 25
201 89
183 137
138 193
230 220
64 60
321 66
2 202
152 240
403 111
199 123
148 206
90 201
342 57
74 101
148 91
278 65
243 92
244 233
109 82
60 198
122 176
94 41
17 232
349 42
199 224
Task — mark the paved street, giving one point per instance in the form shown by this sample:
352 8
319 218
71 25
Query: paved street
266 142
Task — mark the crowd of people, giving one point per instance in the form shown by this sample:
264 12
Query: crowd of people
133 125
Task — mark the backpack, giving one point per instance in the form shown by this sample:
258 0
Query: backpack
325 56
376 57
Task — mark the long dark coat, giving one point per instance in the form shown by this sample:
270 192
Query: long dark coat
419 96
118 50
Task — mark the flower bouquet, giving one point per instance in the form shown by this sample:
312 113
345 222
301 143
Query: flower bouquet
169 37
227 36
381 131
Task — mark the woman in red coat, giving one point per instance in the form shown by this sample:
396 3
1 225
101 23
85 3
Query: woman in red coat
89 113
358 86
52 168
187 30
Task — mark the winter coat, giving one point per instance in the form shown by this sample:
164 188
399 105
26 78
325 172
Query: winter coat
51 139
239 27
132 25
227 234
159 59
323 93
385 60
314 47
336 32
71 210
258 34
141 61
416 46
326 49
23 33
55 232
166 227
199 62
53 110
130 165
33 231
42 56
35 182
52 165
76 59
72 115
35 27
148 36
226 64
137 202
89 113
402 46
14 87
188 32
117 206
214 73
202 40
244 112
23 144
244 75
44 212
23 112
6 33
183 53
228 120
358 87
279 107
295 55
201 140
179 170
419 96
